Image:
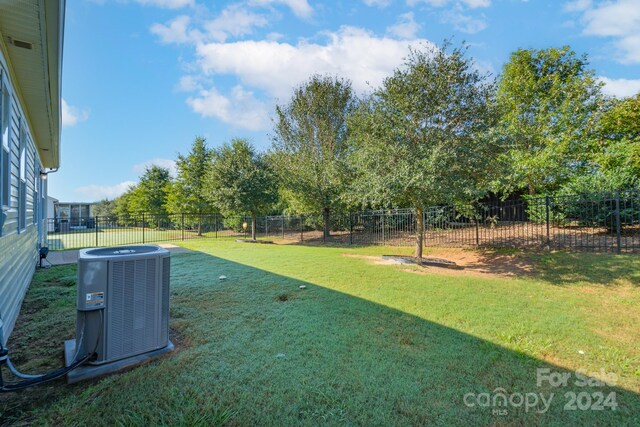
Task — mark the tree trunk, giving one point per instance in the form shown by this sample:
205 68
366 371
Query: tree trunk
253 226
326 217
532 190
419 232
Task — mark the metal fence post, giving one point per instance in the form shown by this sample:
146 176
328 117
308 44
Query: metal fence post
350 228
383 233
182 225
424 228
266 226
618 225
96 225
215 224
282 219
477 231
302 228
143 228
548 220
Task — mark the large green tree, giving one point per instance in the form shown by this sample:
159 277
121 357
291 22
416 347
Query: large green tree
424 137
104 208
310 145
187 194
615 161
619 139
122 205
549 101
239 180
150 195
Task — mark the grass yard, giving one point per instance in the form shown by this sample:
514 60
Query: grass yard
116 236
363 344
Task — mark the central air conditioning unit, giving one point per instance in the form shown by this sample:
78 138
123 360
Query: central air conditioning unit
123 309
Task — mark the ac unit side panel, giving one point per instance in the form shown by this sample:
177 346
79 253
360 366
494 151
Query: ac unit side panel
164 311
91 299
92 284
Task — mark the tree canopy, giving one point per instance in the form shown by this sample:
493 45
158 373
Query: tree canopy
425 136
239 180
187 192
150 195
549 102
310 144
104 208
619 148
436 132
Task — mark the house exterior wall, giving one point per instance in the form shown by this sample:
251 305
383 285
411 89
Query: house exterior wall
22 229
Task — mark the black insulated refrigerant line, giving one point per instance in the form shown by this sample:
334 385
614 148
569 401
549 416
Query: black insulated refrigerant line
33 380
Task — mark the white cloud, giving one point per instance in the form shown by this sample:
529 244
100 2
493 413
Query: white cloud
176 30
189 84
473 4
618 19
274 36
163 163
99 192
300 8
456 14
477 3
463 22
434 3
406 28
377 3
240 109
577 5
71 116
276 67
267 70
620 88
234 21
167 4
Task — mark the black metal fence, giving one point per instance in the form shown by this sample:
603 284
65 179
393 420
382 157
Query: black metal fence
606 222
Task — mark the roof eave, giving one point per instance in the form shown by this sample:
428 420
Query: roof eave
54 32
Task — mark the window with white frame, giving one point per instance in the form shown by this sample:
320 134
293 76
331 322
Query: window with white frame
22 190
36 183
5 144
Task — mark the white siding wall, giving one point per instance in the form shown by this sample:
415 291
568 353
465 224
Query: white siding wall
18 247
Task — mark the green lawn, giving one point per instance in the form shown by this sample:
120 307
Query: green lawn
125 236
363 344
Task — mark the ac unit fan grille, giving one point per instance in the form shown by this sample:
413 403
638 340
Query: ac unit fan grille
136 308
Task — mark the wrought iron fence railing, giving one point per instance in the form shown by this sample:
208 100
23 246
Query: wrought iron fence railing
606 222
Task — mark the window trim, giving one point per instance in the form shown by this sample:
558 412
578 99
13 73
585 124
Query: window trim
35 204
22 178
5 152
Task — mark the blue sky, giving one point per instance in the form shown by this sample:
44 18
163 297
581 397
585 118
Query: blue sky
142 78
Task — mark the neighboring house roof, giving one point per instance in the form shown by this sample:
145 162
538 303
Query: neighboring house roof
53 199
32 36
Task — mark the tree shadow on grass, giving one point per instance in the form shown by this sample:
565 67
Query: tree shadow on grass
266 352
563 268
566 268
